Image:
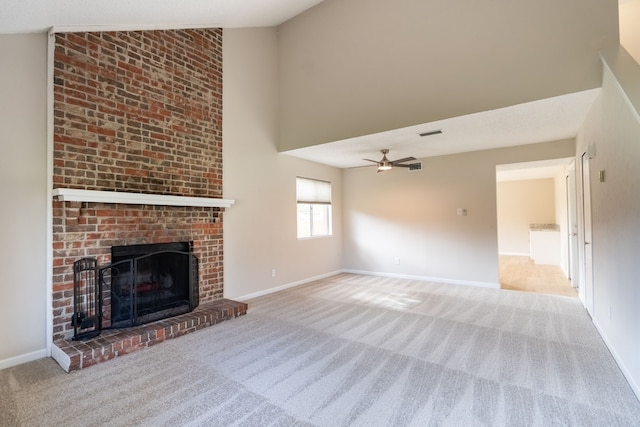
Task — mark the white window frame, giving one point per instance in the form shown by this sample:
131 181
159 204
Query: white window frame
312 193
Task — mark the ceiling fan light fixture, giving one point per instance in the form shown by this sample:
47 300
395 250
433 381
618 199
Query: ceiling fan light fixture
386 164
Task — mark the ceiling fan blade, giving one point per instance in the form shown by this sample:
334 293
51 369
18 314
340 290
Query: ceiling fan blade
395 165
406 159
369 160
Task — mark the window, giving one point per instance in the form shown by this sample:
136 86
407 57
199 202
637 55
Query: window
314 207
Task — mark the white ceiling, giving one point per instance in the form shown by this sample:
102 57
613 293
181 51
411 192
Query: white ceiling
533 122
24 16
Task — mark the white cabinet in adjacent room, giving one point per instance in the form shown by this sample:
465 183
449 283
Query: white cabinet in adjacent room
544 242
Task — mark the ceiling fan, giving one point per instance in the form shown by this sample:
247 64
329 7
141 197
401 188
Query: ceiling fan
386 164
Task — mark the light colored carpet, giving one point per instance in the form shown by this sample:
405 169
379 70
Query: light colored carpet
350 350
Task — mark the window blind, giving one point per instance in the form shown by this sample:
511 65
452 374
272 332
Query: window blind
313 191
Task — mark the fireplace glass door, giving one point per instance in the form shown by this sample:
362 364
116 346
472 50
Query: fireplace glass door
150 282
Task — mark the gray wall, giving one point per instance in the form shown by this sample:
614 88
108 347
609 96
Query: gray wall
23 174
357 67
260 229
412 216
613 127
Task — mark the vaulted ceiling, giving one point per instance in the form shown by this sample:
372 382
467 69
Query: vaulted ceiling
361 75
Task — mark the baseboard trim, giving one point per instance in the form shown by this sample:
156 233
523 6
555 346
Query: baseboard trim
515 254
286 286
632 383
426 279
23 358
369 273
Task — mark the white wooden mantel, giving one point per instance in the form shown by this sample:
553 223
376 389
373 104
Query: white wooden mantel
76 195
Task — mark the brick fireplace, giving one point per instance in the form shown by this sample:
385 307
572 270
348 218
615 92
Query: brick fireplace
136 112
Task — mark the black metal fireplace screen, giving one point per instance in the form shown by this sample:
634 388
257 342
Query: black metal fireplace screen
87 316
143 283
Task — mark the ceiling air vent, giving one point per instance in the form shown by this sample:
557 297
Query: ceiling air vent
414 167
433 132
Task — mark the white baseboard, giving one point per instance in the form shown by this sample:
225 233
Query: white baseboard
23 358
515 254
286 286
369 273
427 279
632 381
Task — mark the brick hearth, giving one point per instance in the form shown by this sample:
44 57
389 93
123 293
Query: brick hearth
75 355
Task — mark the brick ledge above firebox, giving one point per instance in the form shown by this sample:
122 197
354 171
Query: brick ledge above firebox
78 195
74 355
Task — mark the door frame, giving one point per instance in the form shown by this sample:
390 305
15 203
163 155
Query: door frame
573 271
586 291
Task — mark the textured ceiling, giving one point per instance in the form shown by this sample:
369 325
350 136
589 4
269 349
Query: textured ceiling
533 122
24 16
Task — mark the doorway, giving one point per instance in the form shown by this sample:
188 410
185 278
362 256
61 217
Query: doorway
533 226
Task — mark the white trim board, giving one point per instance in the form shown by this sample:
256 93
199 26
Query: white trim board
76 195
367 273
285 286
49 239
634 386
514 254
60 357
427 279
129 27
23 358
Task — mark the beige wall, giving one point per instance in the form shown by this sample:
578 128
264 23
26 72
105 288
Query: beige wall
630 27
356 67
23 173
519 204
260 229
613 127
412 216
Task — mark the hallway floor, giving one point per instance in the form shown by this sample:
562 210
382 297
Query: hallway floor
520 273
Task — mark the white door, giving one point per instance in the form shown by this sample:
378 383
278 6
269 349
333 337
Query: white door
572 228
586 291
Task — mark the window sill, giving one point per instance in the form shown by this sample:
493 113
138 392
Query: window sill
315 237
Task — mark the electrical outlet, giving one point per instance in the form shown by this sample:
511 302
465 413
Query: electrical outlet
396 260
461 211
273 272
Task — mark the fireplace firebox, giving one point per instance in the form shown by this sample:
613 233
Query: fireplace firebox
149 282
